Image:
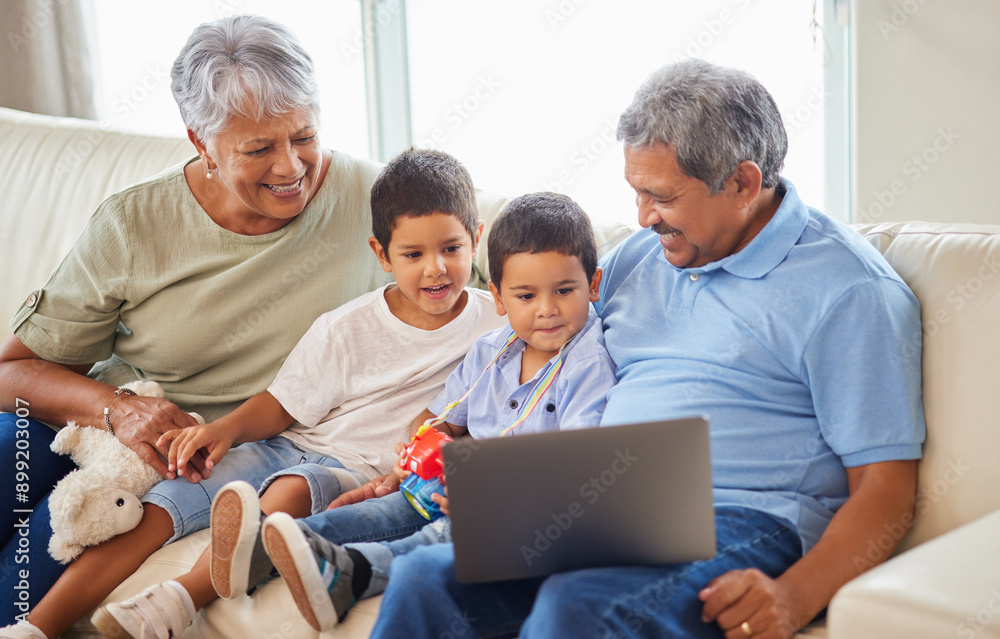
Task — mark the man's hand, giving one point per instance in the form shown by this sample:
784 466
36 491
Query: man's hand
140 421
750 597
378 487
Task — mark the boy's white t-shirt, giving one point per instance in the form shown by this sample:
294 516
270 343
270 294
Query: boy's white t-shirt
359 376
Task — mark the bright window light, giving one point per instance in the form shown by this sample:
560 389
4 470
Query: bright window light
137 43
527 94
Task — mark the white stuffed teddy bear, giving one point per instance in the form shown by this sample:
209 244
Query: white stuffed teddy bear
100 499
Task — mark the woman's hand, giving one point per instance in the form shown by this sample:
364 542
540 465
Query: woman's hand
140 421
186 443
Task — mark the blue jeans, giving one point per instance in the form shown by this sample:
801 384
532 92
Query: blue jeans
381 553
383 518
190 505
27 571
423 599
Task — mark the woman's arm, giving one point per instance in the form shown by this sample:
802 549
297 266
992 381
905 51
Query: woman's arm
59 394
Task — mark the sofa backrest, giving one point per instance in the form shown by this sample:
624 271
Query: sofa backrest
53 174
55 171
954 270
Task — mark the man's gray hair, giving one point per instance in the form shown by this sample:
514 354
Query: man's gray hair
713 117
241 65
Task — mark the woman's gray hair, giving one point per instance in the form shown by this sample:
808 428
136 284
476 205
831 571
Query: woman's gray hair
713 117
241 65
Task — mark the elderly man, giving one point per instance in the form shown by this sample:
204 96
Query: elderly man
785 328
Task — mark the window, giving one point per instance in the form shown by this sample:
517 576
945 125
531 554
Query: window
137 42
527 94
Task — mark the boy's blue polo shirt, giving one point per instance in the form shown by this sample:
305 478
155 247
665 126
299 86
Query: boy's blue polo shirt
802 349
576 398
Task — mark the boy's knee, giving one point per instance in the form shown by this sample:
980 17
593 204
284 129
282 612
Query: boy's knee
292 484
288 493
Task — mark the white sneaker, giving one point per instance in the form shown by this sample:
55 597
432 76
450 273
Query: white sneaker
238 556
317 571
163 611
21 630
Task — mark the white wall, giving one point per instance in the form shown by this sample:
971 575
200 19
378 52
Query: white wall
927 110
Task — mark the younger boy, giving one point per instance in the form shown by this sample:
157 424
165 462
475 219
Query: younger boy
350 386
544 276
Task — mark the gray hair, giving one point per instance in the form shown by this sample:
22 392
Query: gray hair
241 65
713 117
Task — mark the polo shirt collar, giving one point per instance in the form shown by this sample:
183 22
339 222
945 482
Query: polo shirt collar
770 247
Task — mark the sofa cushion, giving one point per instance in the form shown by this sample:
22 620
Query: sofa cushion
954 270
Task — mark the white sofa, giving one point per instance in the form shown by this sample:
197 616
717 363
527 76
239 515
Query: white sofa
54 172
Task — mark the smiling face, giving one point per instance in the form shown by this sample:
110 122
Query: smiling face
546 297
430 257
270 169
695 226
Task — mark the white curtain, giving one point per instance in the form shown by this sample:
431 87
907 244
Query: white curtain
45 57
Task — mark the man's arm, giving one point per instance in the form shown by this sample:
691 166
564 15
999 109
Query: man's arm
881 500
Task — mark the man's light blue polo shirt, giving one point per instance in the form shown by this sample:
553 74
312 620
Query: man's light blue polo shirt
802 350
576 398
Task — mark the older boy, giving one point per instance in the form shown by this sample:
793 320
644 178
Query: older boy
351 384
548 370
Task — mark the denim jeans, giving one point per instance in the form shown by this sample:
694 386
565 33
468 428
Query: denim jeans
383 518
189 505
27 571
423 599
381 553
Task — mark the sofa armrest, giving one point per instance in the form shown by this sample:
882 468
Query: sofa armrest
946 587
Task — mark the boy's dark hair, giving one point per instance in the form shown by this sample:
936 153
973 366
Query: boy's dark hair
419 182
540 222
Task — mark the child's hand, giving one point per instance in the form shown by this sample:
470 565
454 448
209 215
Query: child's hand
398 471
186 442
442 500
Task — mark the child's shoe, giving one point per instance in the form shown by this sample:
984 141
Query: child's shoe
21 630
317 571
238 558
162 611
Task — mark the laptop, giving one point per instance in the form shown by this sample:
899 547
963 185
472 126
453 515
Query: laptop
533 505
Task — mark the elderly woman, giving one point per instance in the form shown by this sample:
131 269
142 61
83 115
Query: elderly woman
201 278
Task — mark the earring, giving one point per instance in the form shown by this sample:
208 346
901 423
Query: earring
208 176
